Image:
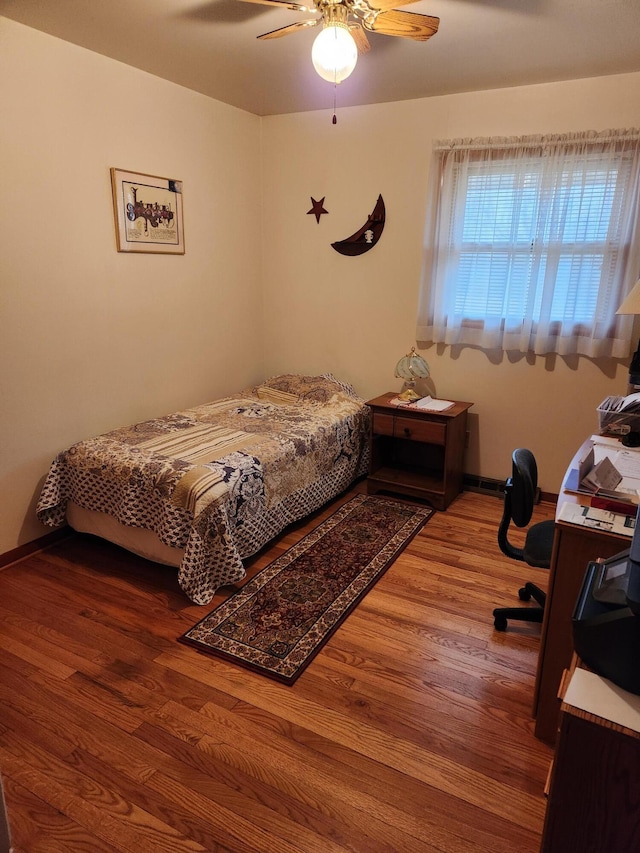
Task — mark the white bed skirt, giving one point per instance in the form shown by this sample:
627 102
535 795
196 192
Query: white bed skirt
142 542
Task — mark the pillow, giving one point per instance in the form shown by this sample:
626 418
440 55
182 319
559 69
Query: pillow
317 389
274 395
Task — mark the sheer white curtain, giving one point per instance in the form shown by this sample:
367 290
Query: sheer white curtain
532 243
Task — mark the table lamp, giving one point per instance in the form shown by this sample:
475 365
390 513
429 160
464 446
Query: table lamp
631 305
411 367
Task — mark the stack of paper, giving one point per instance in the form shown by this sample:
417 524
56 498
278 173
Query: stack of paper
588 516
630 403
430 404
427 404
619 415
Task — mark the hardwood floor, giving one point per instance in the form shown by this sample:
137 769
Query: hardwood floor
410 732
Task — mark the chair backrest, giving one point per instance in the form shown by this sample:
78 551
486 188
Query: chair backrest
519 499
524 478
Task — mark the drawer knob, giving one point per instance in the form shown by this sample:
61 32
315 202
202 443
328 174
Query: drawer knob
407 432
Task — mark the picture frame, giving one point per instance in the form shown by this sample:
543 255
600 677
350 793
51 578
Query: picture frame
148 213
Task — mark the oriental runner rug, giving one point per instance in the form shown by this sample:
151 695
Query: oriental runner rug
280 619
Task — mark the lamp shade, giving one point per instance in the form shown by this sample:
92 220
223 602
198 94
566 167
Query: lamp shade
631 304
334 53
412 366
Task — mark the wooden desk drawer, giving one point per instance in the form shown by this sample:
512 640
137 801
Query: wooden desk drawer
414 429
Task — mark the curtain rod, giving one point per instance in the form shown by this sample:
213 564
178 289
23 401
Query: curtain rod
589 137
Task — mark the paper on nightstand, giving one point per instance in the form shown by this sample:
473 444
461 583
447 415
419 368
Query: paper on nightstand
430 404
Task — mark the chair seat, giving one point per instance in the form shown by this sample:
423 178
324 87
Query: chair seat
538 544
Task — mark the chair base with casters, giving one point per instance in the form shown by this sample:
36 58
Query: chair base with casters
520 492
523 614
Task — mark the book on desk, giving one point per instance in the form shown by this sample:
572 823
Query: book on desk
626 497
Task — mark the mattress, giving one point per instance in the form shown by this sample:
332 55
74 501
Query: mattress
207 487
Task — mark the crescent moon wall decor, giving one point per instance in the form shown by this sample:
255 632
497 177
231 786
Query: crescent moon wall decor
367 236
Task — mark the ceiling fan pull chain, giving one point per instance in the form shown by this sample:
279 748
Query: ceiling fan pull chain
334 120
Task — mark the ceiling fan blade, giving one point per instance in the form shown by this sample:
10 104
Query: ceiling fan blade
387 5
360 38
290 28
285 4
408 25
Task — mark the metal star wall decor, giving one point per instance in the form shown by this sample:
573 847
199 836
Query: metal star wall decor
317 208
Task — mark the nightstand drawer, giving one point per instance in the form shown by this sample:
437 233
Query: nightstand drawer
414 429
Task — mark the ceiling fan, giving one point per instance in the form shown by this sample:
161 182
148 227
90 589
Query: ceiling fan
344 23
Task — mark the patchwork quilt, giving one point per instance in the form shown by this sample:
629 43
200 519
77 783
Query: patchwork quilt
221 479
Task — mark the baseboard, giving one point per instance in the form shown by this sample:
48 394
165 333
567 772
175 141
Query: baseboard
490 486
29 548
484 485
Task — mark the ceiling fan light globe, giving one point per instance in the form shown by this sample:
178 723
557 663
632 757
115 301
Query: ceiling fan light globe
334 53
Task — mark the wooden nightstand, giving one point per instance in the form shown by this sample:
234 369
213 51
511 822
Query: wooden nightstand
415 452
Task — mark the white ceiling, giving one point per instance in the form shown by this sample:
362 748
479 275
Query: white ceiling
210 46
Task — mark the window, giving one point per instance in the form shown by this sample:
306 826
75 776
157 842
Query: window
532 243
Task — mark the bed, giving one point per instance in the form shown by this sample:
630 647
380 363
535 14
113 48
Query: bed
205 488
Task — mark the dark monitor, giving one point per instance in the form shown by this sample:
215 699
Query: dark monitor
617 581
633 570
606 627
611 580
619 578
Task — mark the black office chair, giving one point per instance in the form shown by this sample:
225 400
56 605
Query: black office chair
520 494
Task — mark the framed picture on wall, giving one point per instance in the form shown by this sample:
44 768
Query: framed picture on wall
148 213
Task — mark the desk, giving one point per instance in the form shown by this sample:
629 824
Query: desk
595 777
573 548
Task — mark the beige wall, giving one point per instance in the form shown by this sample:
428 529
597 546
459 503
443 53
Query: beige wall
357 316
93 339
